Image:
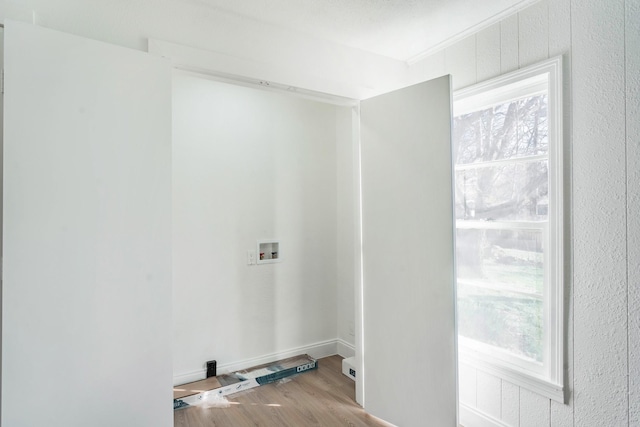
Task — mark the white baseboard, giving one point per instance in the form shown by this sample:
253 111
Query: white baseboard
345 349
471 417
316 350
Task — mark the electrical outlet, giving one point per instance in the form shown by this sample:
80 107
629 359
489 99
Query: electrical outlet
251 257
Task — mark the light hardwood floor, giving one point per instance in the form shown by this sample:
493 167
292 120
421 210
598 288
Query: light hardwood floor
322 397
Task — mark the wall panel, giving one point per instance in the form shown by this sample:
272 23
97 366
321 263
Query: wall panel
535 410
467 384
87 233
488 53
602 201
632 29
489 394
346 226
407 253
458 64
509 41
599 214
510 404
248 165
533 27
559 12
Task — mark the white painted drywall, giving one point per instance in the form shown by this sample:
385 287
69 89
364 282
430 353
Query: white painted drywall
1 198
243 45
398 29
407 250
86 334
130 23
313 58
347 224
602 279
248 165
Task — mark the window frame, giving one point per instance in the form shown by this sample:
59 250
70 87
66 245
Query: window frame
548 381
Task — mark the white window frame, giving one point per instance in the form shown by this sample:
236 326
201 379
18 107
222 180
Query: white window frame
547 379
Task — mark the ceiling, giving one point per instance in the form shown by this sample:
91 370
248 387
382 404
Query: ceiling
399 29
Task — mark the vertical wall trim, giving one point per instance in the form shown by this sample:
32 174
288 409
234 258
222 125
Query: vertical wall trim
500 44
358 273
632 93
626 199
626 202
475 395
518 39
475 41
548 35
573 258
501 390
572 399
1 195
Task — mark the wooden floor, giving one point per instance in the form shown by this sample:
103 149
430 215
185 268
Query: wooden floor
322 397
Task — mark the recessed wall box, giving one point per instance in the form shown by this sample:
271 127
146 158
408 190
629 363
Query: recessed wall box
268 251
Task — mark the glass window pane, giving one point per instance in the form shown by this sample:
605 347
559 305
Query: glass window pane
533 129
510 130
500 289
510 260
516 192
511 322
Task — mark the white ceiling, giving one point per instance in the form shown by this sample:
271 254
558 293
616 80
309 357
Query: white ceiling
399 29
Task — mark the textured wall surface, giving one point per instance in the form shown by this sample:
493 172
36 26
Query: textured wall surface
600 44
600 291
632 57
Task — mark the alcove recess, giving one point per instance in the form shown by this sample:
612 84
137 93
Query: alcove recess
268 251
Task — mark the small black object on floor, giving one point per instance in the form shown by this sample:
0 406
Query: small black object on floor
211 368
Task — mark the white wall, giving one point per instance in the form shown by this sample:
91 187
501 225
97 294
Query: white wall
247 165
632 90
601 46
314 63
605 161
347 231
409 346
1 183
245 45
87 233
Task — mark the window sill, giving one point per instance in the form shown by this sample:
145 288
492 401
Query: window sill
530 382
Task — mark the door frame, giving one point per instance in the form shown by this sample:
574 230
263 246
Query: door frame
224 68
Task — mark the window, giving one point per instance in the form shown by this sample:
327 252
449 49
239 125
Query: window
507 149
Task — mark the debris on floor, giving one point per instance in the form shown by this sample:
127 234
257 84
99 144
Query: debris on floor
207 390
